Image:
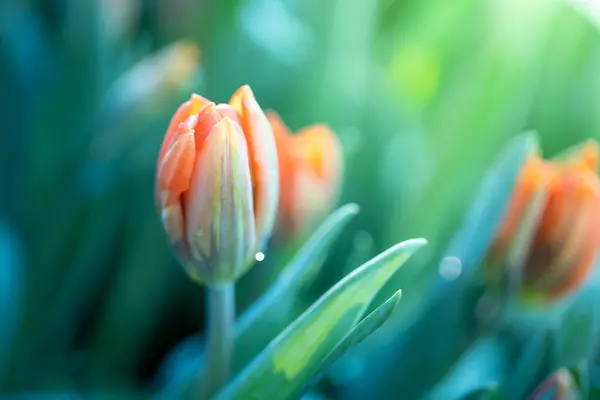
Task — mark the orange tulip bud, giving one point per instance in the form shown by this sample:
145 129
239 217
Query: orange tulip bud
217 185
310 167
554 216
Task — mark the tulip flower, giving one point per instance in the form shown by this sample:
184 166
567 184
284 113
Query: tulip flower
553 220
217 185
310 172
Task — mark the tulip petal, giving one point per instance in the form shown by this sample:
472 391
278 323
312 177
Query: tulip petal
173 179
322 151
566 244
285 144
317 159
172 219
588 156
220 218
226 110
312 201
190 107
175 167
310 172
280 129
263 160
557 248
208 117
583 156
534 178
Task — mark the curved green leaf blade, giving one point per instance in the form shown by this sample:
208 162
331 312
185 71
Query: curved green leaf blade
363 329
579 334
477 372
270 314
338 373
579 330
532 365
293 357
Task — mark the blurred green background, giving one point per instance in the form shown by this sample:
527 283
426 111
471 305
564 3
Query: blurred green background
421 93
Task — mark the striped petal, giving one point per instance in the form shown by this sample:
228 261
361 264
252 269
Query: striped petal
534 177
263 160
190 107
219 206
285 144
566 243
227 110
176 165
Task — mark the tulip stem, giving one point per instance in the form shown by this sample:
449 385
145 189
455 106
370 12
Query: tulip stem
219 350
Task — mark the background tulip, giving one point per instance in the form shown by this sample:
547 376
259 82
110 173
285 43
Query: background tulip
552 225
311 167
217 185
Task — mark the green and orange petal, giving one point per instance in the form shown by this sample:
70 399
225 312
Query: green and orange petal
566 242
263 159
219 207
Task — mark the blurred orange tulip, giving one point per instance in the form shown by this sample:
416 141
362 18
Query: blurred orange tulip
217 185
310 173
562 243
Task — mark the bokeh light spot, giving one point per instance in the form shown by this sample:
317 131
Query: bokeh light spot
450 268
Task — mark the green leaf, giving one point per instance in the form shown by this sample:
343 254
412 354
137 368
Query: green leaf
477 372
580 324
362 330
271 313
579 334
581 375
294 357
532 365
490 393
11 285
594 379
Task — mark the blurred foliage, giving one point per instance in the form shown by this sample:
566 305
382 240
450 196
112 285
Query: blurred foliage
422 95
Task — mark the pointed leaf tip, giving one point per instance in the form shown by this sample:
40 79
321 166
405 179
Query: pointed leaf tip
350 208
361 331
